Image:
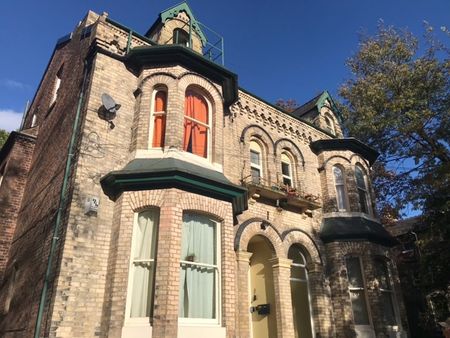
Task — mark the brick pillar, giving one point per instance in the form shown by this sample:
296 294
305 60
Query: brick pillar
243 308
167 277
283 303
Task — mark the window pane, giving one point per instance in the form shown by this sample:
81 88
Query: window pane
298 272
296 255
197 292
359 308
301 310
360 178
256 175
387 308
141 298
287 181
285 170
255 157
338 175
198 283
355 279
342 203
362 200
145 235
382 274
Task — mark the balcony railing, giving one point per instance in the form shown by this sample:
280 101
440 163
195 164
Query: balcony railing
283 196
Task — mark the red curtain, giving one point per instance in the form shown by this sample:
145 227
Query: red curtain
195 135
159 126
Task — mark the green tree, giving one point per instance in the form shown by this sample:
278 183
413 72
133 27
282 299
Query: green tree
3 136
398 101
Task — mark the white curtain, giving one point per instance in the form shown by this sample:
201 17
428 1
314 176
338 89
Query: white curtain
196 282
144 237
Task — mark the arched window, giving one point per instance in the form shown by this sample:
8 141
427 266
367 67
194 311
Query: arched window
329 124
287 170
301 303
159 118
142 266
199 269
363 193
339 183
256 160
180 37
196 124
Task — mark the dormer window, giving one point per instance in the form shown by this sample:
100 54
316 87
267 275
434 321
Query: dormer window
363 193
159 118
329 124
180 37
196 124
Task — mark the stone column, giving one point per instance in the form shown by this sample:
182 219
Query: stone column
283 303
243 307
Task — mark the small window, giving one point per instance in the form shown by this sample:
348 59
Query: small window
159 118
286 170
142 266
196 124
56 85
180 37
356 287
199 296
329 124
34 121
339 183
256 162
386 292
363 194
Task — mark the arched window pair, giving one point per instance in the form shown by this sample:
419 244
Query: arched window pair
361 185
256 165
196 122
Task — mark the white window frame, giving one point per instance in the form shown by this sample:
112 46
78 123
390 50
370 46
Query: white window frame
256 148
153 113
364 189
360 327
286 159
345 207
56 86
140 321
306 280
183 321
390 291
208 126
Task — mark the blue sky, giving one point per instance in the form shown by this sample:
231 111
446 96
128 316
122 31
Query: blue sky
279 49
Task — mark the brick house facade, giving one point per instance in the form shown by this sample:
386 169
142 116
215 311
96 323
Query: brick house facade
194 208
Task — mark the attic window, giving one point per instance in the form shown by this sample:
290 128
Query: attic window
180 37
329 124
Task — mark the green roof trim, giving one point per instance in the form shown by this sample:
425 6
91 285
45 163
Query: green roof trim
161 173
322 102
350 143
184 56
172 12
345 229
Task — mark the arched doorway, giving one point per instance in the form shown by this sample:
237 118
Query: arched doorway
301 302
261 289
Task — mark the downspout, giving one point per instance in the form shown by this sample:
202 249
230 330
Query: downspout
62 205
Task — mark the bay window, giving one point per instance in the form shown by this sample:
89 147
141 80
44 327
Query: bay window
199 269
363 192
356 287
339 183
159 118
386 292
142 266
196 124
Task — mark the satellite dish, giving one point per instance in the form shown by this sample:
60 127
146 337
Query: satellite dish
110 105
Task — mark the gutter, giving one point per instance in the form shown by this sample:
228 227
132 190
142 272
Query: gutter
62 202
